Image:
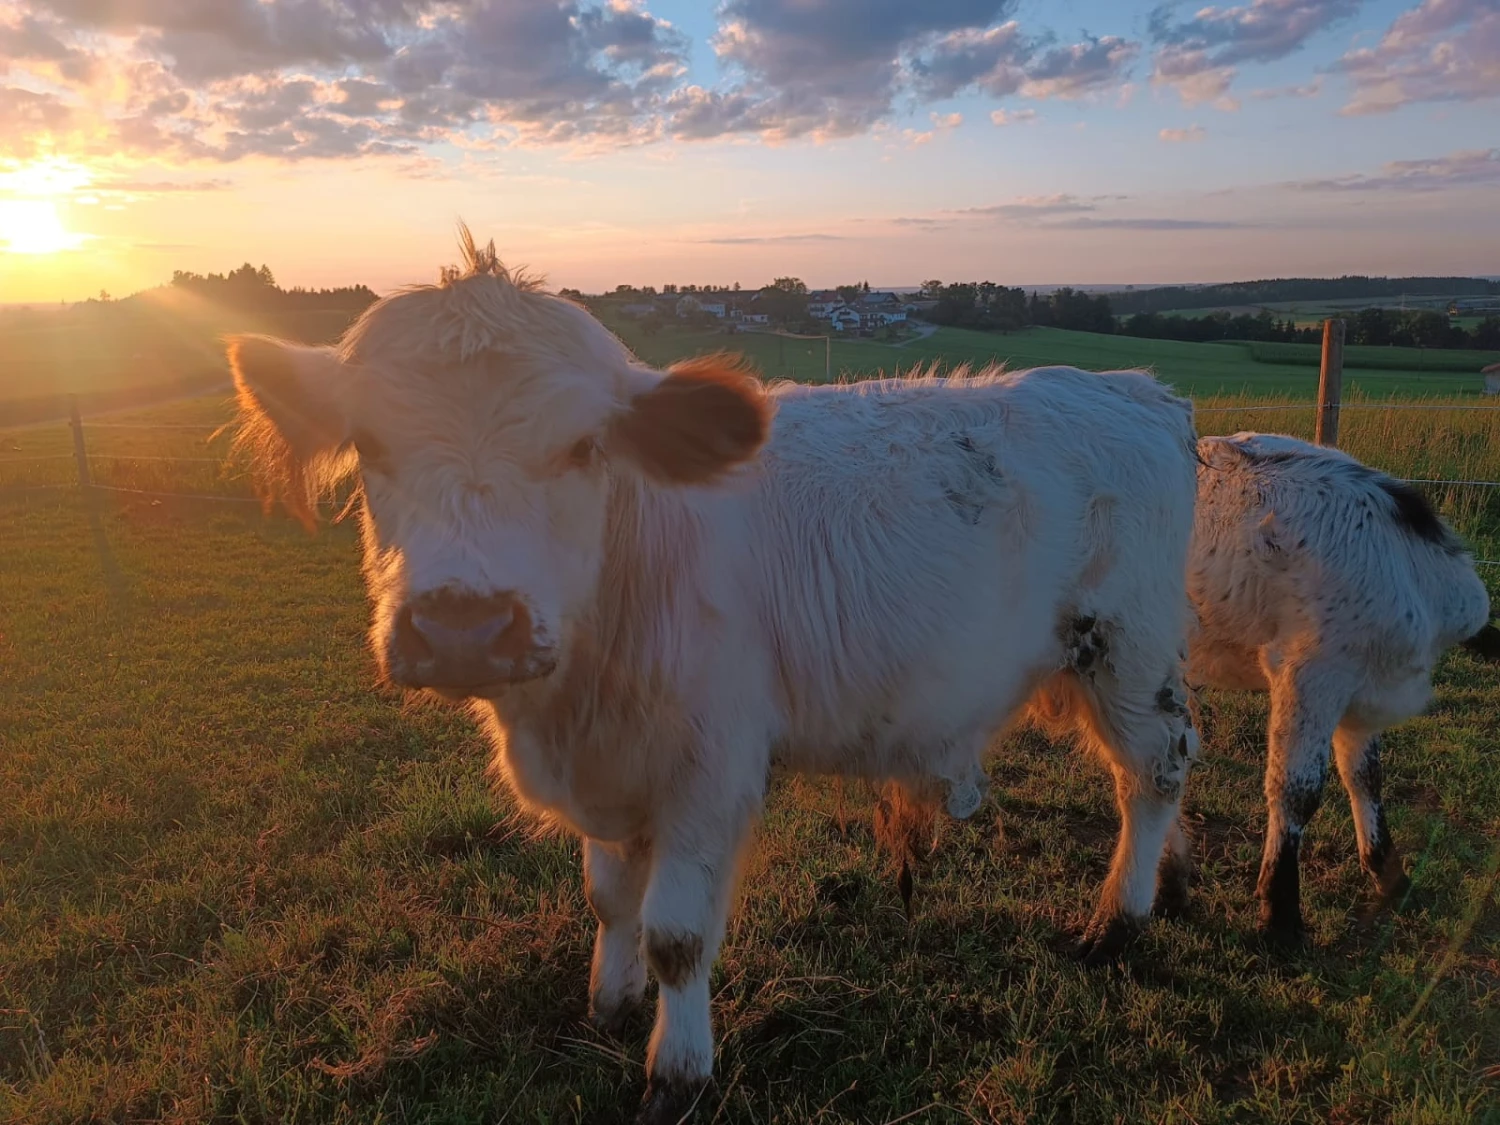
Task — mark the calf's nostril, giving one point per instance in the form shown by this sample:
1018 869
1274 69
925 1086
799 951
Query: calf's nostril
411 645
497 630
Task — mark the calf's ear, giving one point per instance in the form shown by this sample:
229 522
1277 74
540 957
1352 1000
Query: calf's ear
705 417
292 422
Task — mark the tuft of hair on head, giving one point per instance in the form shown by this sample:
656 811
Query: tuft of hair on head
484 261
277 448
708 415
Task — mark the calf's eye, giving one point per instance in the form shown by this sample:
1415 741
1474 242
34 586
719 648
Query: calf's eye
372 454
581 455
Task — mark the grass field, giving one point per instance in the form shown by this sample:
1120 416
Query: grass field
156 345
1426 361
1193 368
240 883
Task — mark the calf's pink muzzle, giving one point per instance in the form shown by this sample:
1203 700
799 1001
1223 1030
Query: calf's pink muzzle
461 644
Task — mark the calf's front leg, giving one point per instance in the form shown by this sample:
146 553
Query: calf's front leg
614 880
693 865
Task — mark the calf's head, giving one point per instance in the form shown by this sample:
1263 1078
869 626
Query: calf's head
488 423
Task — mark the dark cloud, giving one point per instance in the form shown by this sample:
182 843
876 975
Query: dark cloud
835 66
1079 69
29 120
1471 168
993 60
1031 207
1198 56
749 239
1441 50
157 187
1148 224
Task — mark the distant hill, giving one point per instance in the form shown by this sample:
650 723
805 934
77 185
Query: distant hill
1351 288
155 344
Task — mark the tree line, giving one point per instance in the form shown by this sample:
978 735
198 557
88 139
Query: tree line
1376 327
986 306
252 288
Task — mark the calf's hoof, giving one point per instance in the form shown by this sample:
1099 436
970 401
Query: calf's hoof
1171 901
617 1018
1285 935
1106 940
1400 896
669 1101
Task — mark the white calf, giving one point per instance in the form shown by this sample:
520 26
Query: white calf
1336 589
561 536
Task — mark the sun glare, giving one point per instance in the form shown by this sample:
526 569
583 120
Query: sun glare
33 226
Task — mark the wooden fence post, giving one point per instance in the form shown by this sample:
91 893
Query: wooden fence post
1330 383
80 451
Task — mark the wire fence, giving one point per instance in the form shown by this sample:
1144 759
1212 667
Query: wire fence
89 460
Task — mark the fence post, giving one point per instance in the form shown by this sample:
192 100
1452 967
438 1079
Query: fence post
1330 383
80 451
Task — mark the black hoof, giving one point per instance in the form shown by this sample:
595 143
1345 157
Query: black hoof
1284 937
1403 897
619 1020
1171 902
669 1101
1106 941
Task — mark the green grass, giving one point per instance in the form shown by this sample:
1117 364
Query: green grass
1423 360
151 347
1193 368
241 883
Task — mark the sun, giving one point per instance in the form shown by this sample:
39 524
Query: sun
33 226
29 220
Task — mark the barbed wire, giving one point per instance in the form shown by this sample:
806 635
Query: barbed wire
206 496
151 425
152 457
177 495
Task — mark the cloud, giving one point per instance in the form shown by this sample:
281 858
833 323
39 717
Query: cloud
1183 136
1004 117
1032 206
225 79
1083 68
157 187
1199 56
1466 168
757 239
1307 90
1148 224
833 68
1441 50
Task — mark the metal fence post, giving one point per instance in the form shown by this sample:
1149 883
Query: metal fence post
80 450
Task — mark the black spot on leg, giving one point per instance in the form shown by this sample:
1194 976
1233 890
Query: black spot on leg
1084 643
673 957
1369 775
1168 703
1302 800
1172 877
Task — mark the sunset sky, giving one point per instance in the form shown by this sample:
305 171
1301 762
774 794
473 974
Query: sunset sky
646 141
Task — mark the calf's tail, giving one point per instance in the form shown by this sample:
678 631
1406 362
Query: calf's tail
1485 644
